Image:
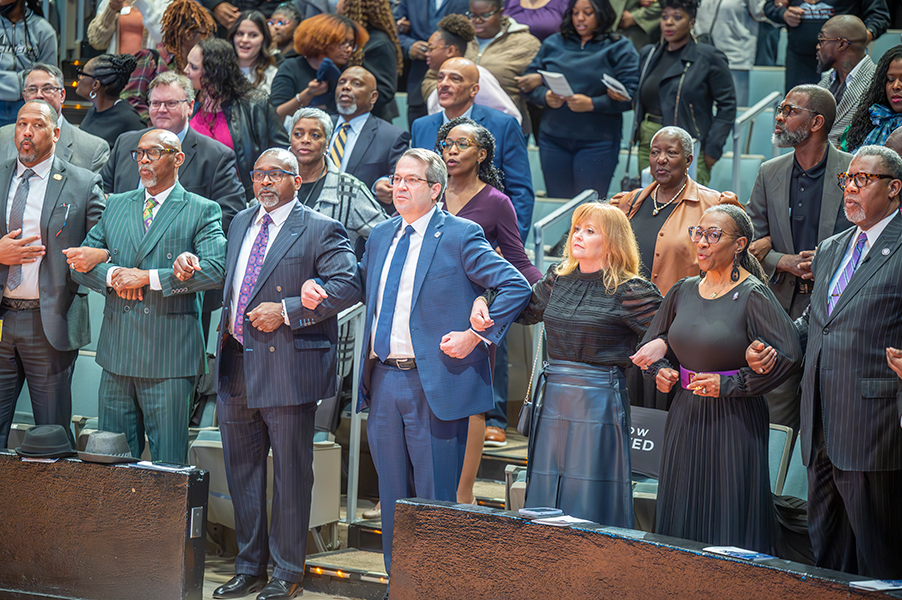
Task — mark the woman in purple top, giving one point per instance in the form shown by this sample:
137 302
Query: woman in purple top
543 17
474 193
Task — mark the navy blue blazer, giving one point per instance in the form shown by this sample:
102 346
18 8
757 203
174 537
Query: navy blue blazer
456 265
510 155
297 364
378 147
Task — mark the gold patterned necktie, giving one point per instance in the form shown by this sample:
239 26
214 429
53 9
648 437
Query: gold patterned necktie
148 212
338 145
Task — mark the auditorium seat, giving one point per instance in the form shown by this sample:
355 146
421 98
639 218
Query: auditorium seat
795 483
628 120
722 174
763 81
401 120
779 445
96 303
889 39
535 169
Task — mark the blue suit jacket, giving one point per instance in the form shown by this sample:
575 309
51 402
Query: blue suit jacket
510 155
297 364
456 265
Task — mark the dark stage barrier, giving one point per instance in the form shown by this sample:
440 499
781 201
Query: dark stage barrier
446 551
100 532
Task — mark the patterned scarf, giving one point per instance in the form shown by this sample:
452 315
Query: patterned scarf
885 122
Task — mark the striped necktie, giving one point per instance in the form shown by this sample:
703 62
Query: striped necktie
846 274
148 212
338 145
16 217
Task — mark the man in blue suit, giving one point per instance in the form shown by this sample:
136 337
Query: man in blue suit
424 371
276 360
458 83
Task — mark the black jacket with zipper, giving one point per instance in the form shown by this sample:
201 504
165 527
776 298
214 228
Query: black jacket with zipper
688 93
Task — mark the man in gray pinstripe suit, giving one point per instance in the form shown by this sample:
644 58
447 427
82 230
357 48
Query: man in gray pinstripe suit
276 360
851 400
151 346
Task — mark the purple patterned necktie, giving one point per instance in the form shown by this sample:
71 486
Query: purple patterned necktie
846 275
254 264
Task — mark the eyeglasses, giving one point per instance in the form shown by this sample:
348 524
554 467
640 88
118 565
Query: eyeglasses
431 48
787 109
410 180
153 154
481 16
823 40
275 176
349 45
169 104
712 235
461 143
81 73
862 180
278 23
44 89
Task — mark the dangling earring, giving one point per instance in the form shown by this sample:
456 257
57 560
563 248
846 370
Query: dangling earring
93 94
734 274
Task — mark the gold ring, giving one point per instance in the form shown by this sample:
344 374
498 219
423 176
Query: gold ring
761 369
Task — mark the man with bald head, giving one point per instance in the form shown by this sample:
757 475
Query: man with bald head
894 141
363 144
47 205
457 86
151 346
846 70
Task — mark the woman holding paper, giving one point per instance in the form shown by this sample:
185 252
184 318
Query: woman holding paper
579 136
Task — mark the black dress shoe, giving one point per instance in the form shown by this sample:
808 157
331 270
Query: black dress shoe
278 589
240 585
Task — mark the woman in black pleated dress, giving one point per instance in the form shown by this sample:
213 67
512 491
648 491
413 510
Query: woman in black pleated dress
715 484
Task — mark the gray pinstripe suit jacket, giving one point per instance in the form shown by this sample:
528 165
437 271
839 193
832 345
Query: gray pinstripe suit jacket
159 337
845 359
851 98
75 146
72 205
292 365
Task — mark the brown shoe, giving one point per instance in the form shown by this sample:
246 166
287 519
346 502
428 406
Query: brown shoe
495 437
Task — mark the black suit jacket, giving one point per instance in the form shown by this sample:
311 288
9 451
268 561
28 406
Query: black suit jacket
209 170
379 146
845 355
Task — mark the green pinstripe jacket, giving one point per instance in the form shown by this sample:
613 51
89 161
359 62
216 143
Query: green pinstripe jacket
159 337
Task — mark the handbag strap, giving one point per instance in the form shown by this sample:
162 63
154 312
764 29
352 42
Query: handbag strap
535 361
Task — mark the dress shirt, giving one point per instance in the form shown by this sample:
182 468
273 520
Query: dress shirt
805 195
849 78
357 124
153 274
401 344
278 216
873 234
31 222
468 114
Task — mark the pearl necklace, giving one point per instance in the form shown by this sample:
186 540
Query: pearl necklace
654 198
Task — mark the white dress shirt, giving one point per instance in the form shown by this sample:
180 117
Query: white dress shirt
490 94
356 126
31 223
153 274
278 216
401 344
873 234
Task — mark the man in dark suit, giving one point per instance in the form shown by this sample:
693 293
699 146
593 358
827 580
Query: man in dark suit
45 82
151 347
47 206
424 371
364 145
276 360
794 206
458 83
851 399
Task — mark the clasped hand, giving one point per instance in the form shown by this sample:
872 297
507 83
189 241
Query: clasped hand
130 283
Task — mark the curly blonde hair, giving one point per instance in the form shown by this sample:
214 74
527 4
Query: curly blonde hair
376 14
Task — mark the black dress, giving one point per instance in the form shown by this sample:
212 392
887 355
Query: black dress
579 458
715 484
112 122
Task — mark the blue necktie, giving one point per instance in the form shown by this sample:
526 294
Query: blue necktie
382 344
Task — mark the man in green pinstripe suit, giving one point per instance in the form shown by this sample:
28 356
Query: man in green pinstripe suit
151 345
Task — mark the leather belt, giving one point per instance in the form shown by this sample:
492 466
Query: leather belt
405 364
804 286
20 304
655 119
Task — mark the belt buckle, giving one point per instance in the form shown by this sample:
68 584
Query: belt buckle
406 364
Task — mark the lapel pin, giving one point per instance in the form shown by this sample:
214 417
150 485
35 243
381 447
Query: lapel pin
735 295
885 252
438 234
57 176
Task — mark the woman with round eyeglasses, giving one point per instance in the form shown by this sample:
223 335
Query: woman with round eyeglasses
715 483
474 193
252 39
297 83
880 110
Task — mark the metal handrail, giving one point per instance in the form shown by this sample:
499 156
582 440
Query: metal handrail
356 315
538 229
750 114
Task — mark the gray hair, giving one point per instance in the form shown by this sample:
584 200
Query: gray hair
54 119
436 170
891 160
679 133
51 70
172 78
312 113
287 158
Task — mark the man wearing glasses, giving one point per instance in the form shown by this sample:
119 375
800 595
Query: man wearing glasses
847 70
45 82
851 438
276 360
794 205
424 370
151 347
